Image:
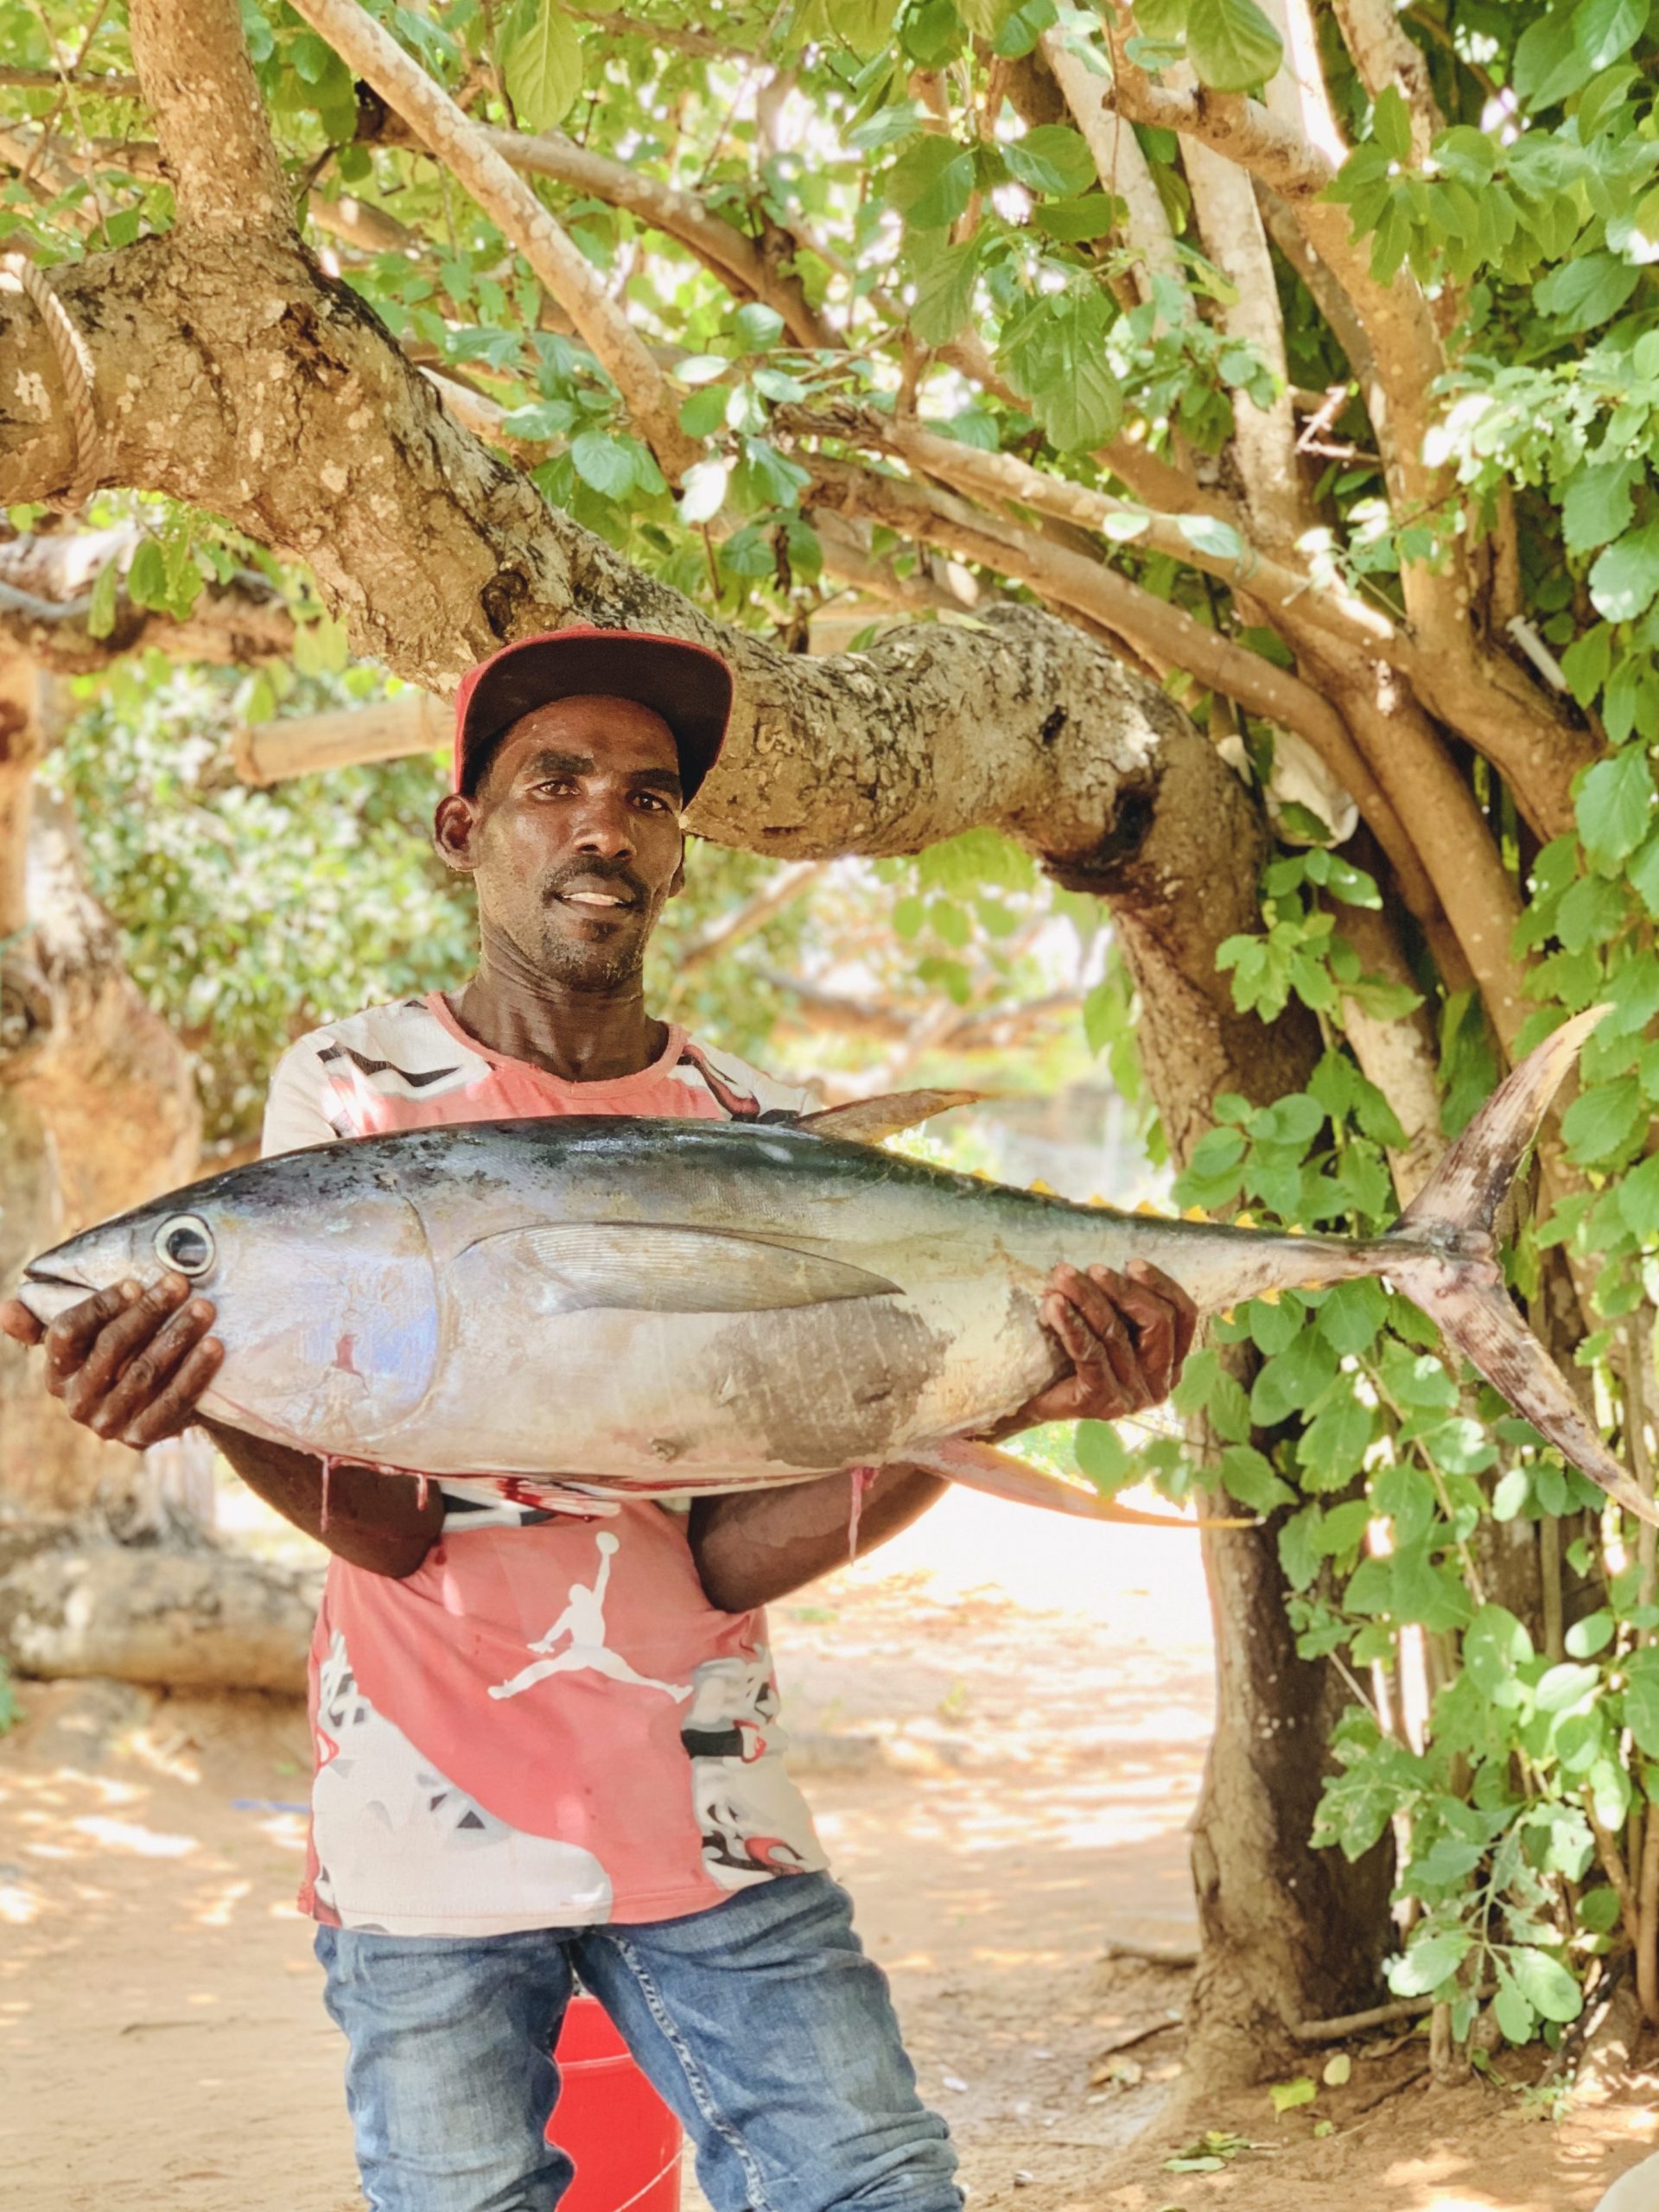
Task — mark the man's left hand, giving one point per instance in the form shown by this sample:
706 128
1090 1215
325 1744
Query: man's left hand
1126 1335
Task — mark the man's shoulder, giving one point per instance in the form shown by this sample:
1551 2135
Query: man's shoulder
746 1092
399 1044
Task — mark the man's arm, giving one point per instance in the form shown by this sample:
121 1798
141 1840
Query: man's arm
1125 1337
131 1365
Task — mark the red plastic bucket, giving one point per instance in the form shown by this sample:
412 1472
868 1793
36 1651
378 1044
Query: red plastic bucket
623 2138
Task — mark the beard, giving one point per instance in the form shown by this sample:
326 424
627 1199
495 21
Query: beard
603 965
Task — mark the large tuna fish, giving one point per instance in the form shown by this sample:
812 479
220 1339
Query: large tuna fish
666 1307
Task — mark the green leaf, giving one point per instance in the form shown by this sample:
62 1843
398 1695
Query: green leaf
1589 1635
1391 124
541 61
1614 805
1248 1478
604 462
704 411
945 293
1638 1198
1602 30
1053 158
1231 45
1602 1120
1335 1441
932 183
1583 293
865 25
101 615
1074 222
1102 1455
1550 65
1642 1700
1287 2095
1055 355
1495 1645
1546 1985
1431 1958
757 326
147 577
1598 506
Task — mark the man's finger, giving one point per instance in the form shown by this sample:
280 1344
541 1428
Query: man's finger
69 1338
1152 1319
175 1409
19 1324
1186 1313
1102 1354
152 1368
106 1358
1104 1315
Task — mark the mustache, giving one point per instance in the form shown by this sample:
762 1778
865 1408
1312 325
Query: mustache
597 870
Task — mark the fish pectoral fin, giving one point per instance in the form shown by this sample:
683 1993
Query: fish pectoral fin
671 1268
866 1120
982 1466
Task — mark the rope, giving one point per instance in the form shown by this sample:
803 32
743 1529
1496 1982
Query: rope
74 360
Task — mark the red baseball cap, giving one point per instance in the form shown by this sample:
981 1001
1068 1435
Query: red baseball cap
689 686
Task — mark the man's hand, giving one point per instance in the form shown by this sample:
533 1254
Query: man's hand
1126 1337
128 1363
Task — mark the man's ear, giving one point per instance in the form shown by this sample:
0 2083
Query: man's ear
455 825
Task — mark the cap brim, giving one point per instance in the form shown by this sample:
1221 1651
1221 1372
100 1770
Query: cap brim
690 687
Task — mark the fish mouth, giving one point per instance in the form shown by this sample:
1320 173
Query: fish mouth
49 1292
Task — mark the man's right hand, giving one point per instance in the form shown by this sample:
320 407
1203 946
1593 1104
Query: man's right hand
129 1363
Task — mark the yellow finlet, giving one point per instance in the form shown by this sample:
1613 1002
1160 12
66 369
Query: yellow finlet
1041 1189
1194 1213
1243 1221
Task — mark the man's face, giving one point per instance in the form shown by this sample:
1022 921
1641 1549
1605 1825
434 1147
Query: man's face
573 838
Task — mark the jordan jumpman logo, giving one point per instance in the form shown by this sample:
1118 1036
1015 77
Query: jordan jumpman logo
582 1622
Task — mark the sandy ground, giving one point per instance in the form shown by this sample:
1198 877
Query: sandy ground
1002 1722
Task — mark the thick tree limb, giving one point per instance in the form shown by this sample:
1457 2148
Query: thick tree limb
192 64
283 405
464 149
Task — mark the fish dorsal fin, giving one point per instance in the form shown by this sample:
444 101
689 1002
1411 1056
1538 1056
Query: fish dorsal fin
665 1267
866 1120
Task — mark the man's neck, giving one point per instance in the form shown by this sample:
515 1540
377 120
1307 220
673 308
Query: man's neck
580 1036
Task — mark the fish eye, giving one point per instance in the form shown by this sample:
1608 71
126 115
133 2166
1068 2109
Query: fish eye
185 1243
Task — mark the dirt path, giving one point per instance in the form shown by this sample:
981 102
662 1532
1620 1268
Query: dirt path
1001 1729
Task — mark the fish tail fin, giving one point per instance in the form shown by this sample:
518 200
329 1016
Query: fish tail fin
1457 1206
1442 1252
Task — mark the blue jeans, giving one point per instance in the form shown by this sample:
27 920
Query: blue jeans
761 2022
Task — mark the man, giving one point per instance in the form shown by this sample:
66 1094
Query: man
546 1741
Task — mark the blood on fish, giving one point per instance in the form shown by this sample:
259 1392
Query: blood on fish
346 1357
861 1479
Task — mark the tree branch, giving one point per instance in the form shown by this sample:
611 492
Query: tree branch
1119 162
216 145
464 149
1384 53
722 248
46 597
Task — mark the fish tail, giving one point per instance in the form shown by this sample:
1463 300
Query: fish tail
1442 1252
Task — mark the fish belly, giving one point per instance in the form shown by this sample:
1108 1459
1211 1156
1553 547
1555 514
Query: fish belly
681 1402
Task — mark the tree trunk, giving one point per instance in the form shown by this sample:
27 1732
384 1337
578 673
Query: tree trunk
1289 1933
